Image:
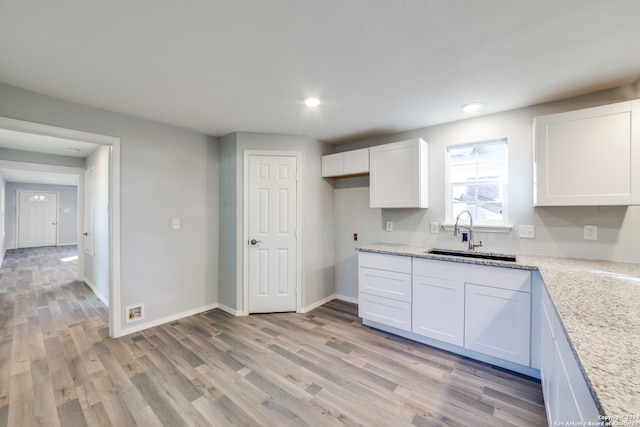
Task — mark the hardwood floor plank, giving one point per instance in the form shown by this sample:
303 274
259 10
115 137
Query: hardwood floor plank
21 405
71 414
45 408
114 406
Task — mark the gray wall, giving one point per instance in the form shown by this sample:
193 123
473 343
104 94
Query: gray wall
67 221
559 230
3 241
166 173
96 267
318 247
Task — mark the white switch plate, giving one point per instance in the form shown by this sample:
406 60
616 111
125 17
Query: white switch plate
527 231
435 227
389 225
176 223
591 232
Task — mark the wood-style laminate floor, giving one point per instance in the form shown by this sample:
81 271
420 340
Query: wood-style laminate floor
322 368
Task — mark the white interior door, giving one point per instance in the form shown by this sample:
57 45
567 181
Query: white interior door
37 219
272 233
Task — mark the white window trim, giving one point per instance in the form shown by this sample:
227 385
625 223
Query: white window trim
486 227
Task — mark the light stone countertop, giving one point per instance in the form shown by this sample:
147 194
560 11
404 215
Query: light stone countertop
599 305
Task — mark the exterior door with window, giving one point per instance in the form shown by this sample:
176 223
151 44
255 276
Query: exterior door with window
272 254
37 219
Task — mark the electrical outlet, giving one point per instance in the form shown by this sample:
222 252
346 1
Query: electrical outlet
435 227
389 225
591 232
527 231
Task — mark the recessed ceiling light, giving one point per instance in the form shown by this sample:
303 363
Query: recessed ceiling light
312 102
472 107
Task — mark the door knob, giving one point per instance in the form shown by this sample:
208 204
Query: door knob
254 241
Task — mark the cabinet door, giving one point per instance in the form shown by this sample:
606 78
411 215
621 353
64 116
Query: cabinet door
333 165
438 309
547 353
564 407
356 162
398 175
498 322
587 157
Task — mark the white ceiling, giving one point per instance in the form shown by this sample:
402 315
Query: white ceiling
45 144
42 144
379 66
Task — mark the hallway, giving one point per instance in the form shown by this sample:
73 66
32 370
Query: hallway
43 310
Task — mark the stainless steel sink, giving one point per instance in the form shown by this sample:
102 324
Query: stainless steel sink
469 254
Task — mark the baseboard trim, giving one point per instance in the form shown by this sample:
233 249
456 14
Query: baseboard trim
347 299
317 304
95 290
162 321
230 310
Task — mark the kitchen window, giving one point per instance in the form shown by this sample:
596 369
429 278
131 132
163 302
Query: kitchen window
476 180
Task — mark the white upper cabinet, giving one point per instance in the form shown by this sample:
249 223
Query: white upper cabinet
348 163
588 157
398 175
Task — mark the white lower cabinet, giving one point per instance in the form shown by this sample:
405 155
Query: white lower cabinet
482 312
438 311
384 289
566 393
481 308
498 322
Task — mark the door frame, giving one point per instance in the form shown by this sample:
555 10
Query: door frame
116 314
19 207
243 293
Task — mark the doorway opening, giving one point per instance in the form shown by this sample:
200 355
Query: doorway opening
47 146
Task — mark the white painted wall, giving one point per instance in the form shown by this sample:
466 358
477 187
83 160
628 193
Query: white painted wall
166 173
96 267
559 230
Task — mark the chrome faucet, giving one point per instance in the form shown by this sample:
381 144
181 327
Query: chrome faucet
456 230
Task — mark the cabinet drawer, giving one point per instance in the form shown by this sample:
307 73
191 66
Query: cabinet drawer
386 311
388 284
497 277
400 264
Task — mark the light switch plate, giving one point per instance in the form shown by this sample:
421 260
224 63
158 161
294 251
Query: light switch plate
176 223
435 227
388 225
527 231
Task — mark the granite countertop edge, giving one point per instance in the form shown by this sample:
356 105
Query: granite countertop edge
555 271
